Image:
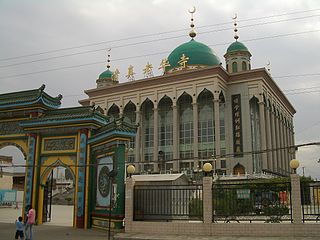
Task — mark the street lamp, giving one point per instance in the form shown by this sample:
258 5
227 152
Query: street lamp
130 170
214 159
294 164
112 174
207 168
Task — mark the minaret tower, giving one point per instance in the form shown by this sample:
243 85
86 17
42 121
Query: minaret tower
108 78
238 55
192 32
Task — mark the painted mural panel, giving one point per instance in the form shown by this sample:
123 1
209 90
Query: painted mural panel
10 128
59 144
237 125
105 166
29 169
81 174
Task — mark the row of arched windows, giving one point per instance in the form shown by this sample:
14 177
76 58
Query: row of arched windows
234 65
185 126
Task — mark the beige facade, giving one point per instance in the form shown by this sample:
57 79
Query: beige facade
208 227
266 120
6 179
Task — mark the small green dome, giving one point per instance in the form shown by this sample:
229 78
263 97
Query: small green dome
237 46
105 74
198 54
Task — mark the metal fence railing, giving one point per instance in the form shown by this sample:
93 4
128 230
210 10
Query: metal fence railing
310 201
166 203
8 197
252 201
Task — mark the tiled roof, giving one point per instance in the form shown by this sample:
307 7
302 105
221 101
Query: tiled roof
158 177
65 115
117 126
28 97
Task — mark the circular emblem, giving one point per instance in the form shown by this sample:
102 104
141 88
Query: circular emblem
103 182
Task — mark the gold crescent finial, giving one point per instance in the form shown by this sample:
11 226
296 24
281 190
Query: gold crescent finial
108 59
193 10
235 27
268 65
235 16
192 33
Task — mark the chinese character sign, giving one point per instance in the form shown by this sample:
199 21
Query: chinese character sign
237 128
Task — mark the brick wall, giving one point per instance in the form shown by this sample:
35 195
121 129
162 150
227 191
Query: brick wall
209 228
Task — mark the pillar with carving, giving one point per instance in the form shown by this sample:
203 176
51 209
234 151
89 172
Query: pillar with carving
269 140
138 141
155 139
263 135
195 133
175 129
81 163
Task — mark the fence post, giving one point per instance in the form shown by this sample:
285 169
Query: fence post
296 198
207 199
129 204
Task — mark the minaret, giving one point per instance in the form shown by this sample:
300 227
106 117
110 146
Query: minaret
108 78
238 55
192 32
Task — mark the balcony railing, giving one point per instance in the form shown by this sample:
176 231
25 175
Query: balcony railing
310 201
166 203
252 201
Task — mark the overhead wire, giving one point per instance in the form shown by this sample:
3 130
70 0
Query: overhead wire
165 39
155 34
146 55
213 157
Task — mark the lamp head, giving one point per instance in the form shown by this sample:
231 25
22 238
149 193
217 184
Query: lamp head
294 164
207 168
130 170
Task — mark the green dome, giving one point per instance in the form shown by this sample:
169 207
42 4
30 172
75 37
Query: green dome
237 46
105 74
198 54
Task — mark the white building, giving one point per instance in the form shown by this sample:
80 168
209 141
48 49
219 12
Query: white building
198 111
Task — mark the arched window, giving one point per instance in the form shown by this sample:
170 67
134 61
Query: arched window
222 125
165 131
244 66
227 67
205 124
185 126
239 169
234 67
255 134
147 129
113 112
129 115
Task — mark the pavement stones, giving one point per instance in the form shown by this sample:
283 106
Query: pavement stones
136 236
49 232
52 231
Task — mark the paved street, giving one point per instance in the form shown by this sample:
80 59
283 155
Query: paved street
50 232
60 228
123 236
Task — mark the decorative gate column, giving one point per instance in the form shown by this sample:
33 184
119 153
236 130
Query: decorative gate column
81 172
30 170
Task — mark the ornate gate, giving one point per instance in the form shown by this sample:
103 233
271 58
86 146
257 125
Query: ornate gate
47 199
50 136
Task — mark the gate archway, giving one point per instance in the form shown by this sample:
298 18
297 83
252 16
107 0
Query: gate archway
45 197
50 136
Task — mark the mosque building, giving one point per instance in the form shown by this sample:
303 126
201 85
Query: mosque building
235 117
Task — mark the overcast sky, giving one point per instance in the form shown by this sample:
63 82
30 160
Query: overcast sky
284 33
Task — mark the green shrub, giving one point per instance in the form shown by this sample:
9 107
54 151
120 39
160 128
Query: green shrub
196 207
275 213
